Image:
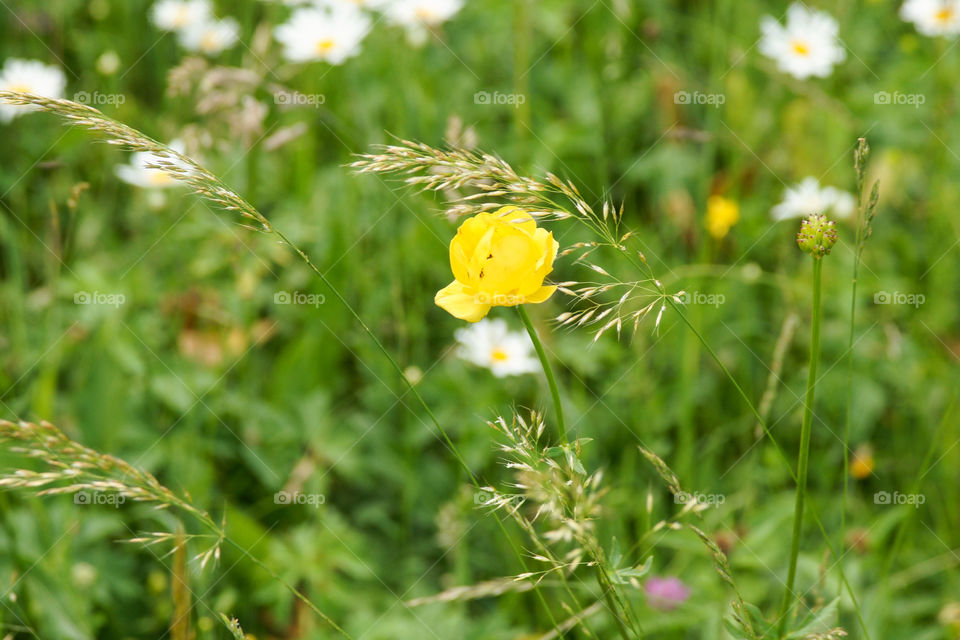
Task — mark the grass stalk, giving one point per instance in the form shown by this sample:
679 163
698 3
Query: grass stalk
607 590
864 215
804 454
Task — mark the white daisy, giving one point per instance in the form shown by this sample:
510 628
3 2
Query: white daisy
933 17
806 46
327 34
29 76
355 4
414 14
137 172
176 15
210 36
490 344
800 200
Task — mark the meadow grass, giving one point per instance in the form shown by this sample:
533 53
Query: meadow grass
276 375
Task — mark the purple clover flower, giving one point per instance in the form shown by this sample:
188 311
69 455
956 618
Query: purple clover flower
666 594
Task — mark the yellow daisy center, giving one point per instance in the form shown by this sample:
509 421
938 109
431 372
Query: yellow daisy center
160 178
181 17
210 42
801 48
424 14
499 355
325 45
20 88
944 15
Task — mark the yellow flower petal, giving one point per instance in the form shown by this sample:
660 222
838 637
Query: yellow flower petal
461 303
460 261
498 259
541 294
518 218
549 248
513 255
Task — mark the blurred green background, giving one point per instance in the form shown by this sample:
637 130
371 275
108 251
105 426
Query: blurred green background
202 379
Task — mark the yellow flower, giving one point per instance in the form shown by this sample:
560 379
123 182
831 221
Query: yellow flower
862 464
498 260
722 213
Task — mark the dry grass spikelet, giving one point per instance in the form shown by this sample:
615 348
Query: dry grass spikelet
177 165
73 469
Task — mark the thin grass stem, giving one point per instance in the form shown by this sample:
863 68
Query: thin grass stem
804 455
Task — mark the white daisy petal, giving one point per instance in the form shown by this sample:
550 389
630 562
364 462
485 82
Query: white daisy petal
210 36
417 17
490 344
933 17
176 15
331 33
806 46
420 13
137 173
29 76
801 200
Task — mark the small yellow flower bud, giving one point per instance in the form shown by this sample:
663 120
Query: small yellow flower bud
722 214
862 463
817 235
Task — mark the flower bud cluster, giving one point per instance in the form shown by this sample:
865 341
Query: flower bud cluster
817 235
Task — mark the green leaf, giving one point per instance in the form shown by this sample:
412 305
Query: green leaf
818 621
615 555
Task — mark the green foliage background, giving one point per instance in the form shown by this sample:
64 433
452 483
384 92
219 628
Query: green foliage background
293 387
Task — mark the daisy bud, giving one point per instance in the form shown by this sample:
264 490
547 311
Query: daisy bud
817 235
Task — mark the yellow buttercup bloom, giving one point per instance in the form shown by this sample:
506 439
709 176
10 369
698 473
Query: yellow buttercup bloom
498 259
722 213
862 463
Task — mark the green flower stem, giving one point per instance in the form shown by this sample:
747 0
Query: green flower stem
547 369
602 580
804 457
